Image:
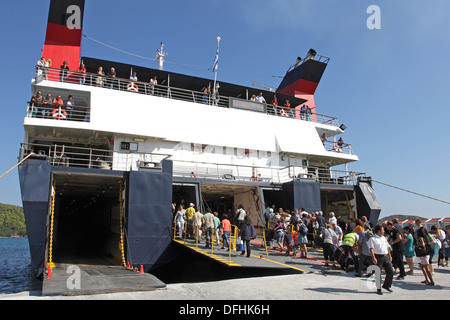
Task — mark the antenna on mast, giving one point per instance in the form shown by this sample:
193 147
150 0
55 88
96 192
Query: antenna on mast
160 56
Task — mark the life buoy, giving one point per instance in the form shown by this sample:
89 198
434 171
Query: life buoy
132 87
337 148
283 113
59 114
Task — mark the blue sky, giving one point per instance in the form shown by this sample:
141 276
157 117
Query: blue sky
388 86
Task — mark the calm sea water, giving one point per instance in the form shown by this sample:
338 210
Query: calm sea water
16 274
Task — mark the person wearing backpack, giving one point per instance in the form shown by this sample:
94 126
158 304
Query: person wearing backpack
365 256
303 239
280 232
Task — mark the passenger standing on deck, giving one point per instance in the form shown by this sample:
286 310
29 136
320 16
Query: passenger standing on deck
153 83
398 249
111 76
260 98
63 72
47 104
446 245
439 236
240 216
189 214
180 219
206 95
408 242
303 112
303 239
197 223
226 230
324 138
81 74
217 224
321 221
247 233
269 217
332 218
381 256
365 255
279 231
47 65
329 239
424 263
337 229
210 225
308 113
100 79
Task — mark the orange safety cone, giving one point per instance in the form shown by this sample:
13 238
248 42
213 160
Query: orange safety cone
128 265
142 269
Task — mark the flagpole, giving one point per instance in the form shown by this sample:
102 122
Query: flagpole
215 71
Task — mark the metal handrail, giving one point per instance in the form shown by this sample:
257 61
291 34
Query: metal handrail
91 158
334 147
146 88
63 112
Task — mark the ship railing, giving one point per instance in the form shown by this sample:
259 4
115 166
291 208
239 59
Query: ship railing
297 114
247 173
63 112
333 146
167 91
92 158
321 175
122 84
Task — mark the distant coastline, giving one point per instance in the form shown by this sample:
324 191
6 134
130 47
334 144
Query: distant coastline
12 221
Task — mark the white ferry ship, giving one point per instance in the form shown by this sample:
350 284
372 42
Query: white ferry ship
103 172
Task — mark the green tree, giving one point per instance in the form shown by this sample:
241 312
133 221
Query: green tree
12 221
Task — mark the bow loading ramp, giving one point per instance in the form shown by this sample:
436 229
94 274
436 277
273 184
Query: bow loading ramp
260 258
81 279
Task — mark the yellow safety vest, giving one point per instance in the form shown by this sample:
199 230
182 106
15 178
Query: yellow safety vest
349 239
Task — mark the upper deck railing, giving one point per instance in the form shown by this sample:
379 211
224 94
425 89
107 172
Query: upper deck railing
146 88
91 158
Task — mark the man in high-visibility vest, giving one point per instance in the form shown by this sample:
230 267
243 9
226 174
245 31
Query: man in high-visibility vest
348 241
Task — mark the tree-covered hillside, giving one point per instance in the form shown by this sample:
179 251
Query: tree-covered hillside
12 221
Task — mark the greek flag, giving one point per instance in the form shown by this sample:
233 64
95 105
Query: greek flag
216 61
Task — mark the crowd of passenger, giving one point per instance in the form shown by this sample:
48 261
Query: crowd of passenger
51 108
100 78
359 242
347 243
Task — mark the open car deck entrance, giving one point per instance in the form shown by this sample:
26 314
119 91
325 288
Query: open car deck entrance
84 224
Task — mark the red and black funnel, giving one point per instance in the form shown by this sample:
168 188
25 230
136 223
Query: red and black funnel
64 30
304 77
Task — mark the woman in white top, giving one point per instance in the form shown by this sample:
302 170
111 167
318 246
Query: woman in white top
180 218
